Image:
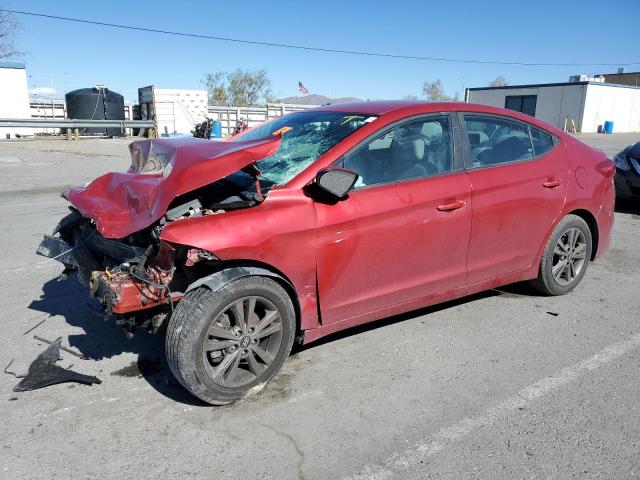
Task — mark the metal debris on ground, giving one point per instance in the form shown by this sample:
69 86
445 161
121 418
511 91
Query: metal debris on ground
9 372
37 324
62 347
44 372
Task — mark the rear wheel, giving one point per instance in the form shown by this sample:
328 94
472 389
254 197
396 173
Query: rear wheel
227 344
565 258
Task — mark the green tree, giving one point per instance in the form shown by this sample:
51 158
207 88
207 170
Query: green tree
216 85
240 88
248 87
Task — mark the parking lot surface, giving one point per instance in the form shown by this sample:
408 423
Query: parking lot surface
502 385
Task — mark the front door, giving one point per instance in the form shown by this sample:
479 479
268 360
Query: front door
403 232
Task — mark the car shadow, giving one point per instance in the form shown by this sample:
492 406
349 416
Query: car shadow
514 290
103 339
627 206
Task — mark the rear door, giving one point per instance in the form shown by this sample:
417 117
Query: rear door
519 178
403 232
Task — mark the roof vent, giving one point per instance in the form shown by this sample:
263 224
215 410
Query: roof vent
579 78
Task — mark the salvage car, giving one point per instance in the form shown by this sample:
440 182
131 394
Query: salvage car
627 179
328 218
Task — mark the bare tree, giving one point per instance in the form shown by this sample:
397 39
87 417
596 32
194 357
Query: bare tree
499 81
8 29
240 88
435 91
411 96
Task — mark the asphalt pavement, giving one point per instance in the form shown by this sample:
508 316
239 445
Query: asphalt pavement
501 385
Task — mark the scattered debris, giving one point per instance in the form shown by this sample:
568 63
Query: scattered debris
62 347
554 314
44 372
37 325
9 372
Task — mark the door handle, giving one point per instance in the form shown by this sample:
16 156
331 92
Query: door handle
552 183
447 207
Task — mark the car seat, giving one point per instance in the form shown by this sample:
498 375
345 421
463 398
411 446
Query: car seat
411 158
509 149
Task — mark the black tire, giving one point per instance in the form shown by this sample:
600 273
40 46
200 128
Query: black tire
202 310
546 282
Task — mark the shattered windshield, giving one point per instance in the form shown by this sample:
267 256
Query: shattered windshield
305 136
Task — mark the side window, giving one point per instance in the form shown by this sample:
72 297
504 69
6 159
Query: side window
495 140
415 149
542 142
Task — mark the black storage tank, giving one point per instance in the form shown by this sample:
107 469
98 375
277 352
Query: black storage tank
96 103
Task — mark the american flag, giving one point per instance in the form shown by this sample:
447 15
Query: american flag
302 89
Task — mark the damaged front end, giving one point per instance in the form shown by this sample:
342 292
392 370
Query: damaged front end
137 285
111 239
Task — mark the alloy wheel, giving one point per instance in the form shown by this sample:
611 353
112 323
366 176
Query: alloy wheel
242 342
569 256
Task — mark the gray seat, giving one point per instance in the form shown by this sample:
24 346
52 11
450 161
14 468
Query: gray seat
509 149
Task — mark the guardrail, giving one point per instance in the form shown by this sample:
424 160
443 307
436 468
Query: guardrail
73 123
73 126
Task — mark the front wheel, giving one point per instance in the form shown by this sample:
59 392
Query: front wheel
565 257
225 345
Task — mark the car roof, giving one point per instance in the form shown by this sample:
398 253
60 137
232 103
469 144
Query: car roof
375 107
416 107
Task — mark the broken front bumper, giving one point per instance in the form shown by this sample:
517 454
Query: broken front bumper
74 258
121 292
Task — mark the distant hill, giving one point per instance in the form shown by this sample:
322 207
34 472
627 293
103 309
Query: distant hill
317 100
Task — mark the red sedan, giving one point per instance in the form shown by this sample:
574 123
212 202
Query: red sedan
329 218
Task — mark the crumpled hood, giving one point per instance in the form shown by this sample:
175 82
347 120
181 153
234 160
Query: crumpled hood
161 169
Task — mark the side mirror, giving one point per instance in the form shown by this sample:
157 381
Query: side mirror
336 181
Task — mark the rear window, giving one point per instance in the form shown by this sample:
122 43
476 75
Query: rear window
496 140
542 142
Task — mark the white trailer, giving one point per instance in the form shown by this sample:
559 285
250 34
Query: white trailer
174 110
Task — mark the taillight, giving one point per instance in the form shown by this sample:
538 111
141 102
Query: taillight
607 168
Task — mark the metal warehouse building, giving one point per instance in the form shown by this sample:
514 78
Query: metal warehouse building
587 105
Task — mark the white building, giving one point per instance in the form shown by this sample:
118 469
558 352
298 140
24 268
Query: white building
14 96
586 103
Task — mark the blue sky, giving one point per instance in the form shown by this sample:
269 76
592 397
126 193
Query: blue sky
69 55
